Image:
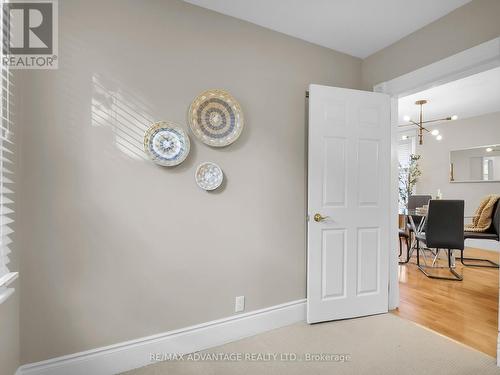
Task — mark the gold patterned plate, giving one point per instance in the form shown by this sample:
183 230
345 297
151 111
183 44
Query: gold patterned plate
215 117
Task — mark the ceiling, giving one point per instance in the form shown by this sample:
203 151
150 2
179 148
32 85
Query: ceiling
356 27
467 97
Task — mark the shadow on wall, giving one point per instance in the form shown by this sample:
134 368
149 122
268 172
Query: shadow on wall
125 113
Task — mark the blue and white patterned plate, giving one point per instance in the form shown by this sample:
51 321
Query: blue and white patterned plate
166 143
215 117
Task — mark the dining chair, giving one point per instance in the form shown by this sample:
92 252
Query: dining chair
492 234
444 230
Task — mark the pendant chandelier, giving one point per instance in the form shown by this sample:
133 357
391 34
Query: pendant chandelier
420 123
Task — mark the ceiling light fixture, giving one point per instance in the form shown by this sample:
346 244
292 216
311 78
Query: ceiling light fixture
421 122
489 149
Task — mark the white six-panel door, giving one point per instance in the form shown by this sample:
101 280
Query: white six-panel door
349 187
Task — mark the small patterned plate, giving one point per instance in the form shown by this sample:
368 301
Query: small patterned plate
166 143
215 117
209 176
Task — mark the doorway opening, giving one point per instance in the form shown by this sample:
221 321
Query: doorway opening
453 159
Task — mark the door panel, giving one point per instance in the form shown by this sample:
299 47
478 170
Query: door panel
334 172
368 261
349 186
333 264
368 163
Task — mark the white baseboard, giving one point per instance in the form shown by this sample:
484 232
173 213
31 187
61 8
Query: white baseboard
137 353
483 244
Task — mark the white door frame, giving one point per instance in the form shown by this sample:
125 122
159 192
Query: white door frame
474 60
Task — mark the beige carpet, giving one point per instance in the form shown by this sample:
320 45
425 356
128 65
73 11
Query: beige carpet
383 344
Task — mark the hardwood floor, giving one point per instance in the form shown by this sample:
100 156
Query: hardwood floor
466 311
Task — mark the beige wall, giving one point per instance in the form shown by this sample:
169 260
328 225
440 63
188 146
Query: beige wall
471 132
119 248
466 27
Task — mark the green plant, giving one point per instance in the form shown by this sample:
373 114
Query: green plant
408 177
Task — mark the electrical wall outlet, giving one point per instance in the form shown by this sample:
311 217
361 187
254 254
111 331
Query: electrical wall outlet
239 304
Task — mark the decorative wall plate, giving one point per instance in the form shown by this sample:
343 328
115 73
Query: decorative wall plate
209 176
166 143
215 117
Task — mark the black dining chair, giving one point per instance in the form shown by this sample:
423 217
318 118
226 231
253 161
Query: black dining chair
444 229
492 234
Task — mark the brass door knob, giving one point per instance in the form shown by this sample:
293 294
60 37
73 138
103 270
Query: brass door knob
319 218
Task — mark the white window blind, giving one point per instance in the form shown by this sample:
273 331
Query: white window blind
404 152
6 188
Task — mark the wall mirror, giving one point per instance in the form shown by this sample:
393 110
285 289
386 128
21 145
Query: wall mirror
477 164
